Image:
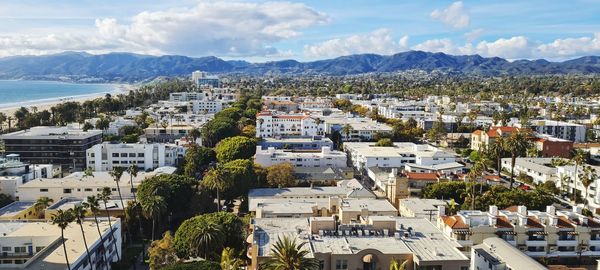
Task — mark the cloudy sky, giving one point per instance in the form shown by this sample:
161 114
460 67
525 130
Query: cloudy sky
303 30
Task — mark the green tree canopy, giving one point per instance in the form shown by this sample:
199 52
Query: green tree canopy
384 142
233 113
238 147
281 175
218 129
196 159
176 190
232 228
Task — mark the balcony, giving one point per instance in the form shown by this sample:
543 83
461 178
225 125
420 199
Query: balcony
570 242
536 243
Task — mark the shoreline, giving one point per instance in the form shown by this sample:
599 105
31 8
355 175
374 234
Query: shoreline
46 104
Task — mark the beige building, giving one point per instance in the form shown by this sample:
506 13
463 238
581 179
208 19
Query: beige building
560 237
481 139
396 186
19 210
369 244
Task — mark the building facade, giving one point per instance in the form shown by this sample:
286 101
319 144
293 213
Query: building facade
106 156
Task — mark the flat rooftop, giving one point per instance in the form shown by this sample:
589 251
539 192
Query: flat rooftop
315 192
505 252
419 206
46 132
399 149
297 140
15 208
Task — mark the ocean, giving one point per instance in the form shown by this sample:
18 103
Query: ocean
14 93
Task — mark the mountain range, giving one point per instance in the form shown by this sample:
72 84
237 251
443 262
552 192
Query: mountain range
129 67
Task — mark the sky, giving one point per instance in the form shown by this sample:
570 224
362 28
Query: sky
304 30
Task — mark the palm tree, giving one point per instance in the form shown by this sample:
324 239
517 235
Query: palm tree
476 171
394 265
564 184
105 197
195 134
62 219
286 254
116 173
207 239
228 262
79 214
88 172
498 149
579 158
516 144
588 177
217 179
318 121
347 129
41 204
152 208
133 172
92 204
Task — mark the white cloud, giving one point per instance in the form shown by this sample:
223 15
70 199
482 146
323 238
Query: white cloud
223 28
454 15
379 41
568 47
473 34
437 45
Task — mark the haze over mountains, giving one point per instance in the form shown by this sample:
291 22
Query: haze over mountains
128 67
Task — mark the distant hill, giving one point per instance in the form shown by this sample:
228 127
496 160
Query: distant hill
128 67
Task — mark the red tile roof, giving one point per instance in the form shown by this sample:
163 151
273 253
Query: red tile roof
454 222
503 222
422 176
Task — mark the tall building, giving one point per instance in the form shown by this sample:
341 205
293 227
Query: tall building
64 146
203 79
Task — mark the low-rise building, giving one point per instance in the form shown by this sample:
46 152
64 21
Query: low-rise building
14 172
364 155
540 170
548 146
497 254
322 175
19 210
297 143
106 156
559 129
114 206
168 133
79 185
324 158
38 245
420 208
481 139
270 124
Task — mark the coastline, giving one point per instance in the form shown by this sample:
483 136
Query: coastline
46 104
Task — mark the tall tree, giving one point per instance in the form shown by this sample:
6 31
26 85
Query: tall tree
217 179
62 220
105 197
579 158
516 144
588 177
286 254
133 172
116 173
79 214
208 239
152 208
92 204
346 130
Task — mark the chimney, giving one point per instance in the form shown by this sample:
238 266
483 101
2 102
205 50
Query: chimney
493 210
551 210
441 211
522 209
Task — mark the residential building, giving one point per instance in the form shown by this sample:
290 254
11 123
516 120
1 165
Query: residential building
548 146
106 156
19 210
420 208
309 193
269 124
79 185
64 146
395 185
38 245
370 243
322 175
571 182
113 205
559 129
560 237
540 170
296 143
324 158
167 134
481 139
14 172
497 254
364 155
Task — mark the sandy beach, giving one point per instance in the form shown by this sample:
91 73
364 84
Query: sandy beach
46 104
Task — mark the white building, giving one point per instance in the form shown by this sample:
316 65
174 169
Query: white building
269 124
497 254
325 158
364 155
360 128
106 156
571 185
14 172
38 245
563 130
80 186
539 169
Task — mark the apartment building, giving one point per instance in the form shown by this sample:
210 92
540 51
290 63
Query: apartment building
364 155
572 183
297 143
167 134
481 139
64 146
347 209
270 124
548 146
397 185
79 185
14 172
420 208
497 254
202 106
322 176
539 169
19 210
106 156
371 243
559 129
114 207
560 237
309 193
324 158
38 245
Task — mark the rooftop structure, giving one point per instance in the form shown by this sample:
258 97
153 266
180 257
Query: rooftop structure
497 254
324 158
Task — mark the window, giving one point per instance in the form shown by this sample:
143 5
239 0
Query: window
115 154
140 154
6 248
123 154
20 249
43 190
38 249
67 190
341 264
87 189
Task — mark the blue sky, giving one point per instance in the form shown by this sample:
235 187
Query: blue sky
303 30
